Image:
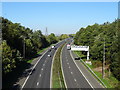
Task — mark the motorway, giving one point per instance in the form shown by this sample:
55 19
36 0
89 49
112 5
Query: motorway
40 76
73 76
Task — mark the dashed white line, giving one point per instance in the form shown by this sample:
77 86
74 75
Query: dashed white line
45 61
42 69
69 66
40 75
67 63
37 83
75 80
43 64
71 72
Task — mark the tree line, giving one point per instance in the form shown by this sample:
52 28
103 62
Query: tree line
96 36
16 38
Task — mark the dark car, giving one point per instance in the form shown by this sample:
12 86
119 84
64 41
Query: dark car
77 58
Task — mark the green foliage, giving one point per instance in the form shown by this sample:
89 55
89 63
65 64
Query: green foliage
16 39
52 38
63 36
9 57
95 36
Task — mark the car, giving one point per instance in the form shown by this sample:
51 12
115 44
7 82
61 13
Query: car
49 55
53 46
77 58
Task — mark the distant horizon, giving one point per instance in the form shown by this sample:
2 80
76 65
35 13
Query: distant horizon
59 18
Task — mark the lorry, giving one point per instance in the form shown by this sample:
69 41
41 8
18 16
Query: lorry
68 47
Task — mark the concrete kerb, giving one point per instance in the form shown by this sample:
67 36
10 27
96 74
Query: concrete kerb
81 71
94 73
62 67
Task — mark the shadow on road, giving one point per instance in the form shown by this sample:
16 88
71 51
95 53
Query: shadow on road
9 80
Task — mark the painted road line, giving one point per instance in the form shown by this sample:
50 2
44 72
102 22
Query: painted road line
75 80
40 75
71 72
81 71
37 83
69 66
43 64
52 69
62 67
32 70
42 69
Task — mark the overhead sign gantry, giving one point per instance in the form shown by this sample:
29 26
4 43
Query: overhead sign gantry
81 48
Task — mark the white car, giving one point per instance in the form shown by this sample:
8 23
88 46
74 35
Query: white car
49 55
53 46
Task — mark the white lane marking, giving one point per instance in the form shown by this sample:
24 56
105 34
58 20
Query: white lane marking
40 75
71 72
68 63
75 80
81 71
43 64
69 66
37 83
62 66
52 68
45 61
32 69
42 69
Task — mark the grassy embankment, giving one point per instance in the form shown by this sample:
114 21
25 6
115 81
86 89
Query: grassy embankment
39 52
110 81
57 77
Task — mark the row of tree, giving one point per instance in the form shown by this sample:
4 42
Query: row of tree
20 43
96 36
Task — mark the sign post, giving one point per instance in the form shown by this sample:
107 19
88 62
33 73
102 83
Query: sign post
82 48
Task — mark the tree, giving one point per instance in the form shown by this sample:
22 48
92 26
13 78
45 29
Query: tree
52 38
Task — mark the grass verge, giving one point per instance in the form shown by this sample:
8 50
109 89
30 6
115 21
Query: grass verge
57 77
109 81
39 52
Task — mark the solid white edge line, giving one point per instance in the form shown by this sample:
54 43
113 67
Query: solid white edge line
32 69
81 71
62 67
95 76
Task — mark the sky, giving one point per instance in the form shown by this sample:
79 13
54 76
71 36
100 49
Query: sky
59 17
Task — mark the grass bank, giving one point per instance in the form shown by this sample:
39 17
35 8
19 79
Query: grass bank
110 81
38 53
57 77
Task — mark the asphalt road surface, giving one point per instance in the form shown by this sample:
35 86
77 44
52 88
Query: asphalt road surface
40 76
73 76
